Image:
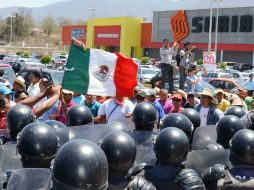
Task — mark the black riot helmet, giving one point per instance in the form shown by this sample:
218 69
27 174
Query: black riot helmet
171 146
140 183
214 146
242 148
79 115
193 116
179 121
115 126
226 128
248 120
17 118
80 164
236 111
37 145
144 116
55 124
120 150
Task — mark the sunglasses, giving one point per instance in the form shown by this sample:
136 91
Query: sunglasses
176 100
190 96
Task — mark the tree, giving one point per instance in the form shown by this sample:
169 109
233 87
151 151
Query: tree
49 25
145 60
46 59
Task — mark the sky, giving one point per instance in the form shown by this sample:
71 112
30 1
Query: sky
26 3
171 4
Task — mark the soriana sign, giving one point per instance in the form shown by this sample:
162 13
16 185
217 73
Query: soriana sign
107 35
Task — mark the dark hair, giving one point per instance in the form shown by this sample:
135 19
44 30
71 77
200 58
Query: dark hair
19 92
1 72
2 102
165 40
37 74
186 44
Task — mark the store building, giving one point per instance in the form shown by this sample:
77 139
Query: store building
135 38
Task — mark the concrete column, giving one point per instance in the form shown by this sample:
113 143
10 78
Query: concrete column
221 55
253 59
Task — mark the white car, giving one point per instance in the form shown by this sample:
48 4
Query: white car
145 74
240 75
157 70
61 59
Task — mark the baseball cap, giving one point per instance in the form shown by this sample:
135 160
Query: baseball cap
177 96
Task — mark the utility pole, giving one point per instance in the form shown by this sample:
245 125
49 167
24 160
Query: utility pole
92 9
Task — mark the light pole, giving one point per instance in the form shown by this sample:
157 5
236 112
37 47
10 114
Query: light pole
92 9
216 31
210 26
11 29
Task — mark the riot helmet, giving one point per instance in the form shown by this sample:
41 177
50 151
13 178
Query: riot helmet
214 146
37 145
226 128
193 116
80 164
179 121
120 150
171 146
79 115
242 148
145 116
55 124
17 118
140 183
248 120
236 111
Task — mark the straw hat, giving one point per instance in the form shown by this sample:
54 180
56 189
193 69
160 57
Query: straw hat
67 92
220 91
21 81
207 92
237 102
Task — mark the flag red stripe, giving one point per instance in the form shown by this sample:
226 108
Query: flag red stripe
125 76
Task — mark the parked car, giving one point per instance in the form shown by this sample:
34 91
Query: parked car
2 56
9 74
242 66
61 59
212 75
54 76
230 84
16 66
240 75
151 67
145 74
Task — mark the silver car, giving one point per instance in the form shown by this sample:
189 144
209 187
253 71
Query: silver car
145 74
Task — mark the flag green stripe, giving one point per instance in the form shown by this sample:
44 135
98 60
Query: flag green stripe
79 60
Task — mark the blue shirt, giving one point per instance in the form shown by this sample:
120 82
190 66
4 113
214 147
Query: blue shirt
159 109
79 99
250 85
52 110
94 107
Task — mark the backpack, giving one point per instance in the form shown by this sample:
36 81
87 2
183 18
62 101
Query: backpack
178 58
230 183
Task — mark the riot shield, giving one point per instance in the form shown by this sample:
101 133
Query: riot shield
128 122
30 179
62 135
93 133
199 160
10 159
204 136
144 144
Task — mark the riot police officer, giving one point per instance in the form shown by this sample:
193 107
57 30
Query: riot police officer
236 111
79 115
193 116
145 118
241 176
248 120
226 128
80 164
17 118
37 145
171 149
179 121
120 150
55 124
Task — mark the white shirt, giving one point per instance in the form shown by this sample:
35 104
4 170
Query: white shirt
166 54
203 115
33 90
120 111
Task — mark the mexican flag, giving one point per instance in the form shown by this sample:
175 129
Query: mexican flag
97 72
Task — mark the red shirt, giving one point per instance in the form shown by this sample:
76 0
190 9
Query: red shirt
3 122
